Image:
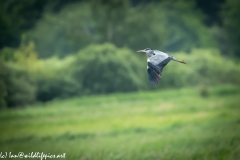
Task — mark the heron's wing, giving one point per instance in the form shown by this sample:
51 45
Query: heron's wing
154 73
155 70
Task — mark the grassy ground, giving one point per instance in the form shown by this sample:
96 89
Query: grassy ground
164 125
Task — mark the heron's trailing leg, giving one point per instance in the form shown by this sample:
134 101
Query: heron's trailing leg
181 61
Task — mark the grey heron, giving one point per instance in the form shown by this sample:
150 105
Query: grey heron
156 61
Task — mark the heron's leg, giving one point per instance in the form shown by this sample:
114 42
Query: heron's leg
181 61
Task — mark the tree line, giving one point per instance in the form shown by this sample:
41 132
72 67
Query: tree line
81 48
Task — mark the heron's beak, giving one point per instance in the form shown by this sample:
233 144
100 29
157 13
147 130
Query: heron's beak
141 51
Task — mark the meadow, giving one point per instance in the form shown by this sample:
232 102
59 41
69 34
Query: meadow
172 124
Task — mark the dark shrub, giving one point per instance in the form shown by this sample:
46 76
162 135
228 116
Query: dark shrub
106 69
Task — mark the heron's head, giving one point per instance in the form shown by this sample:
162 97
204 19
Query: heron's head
147 50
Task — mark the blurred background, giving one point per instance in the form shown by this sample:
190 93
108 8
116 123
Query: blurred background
60 49
70 76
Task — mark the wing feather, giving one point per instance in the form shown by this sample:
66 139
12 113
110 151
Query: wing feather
154 74
155 70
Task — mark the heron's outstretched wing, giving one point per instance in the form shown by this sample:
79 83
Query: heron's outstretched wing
155 70
154 73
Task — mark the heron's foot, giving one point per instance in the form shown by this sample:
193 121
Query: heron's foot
182 61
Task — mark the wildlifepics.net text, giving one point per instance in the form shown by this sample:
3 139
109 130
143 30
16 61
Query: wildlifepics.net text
34 155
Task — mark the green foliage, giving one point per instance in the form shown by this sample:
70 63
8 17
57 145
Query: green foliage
17 17
94 40
204 67
17 88
24 57
96 69
54 80
185 31
62 33
170 26
231 22
16 82
108 16
100 69
105 69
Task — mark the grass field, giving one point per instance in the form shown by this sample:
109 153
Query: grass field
160 125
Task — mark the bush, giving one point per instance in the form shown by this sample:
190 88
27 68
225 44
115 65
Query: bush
53 80
57 86
16 87
100 69
204 67
16 81
107 69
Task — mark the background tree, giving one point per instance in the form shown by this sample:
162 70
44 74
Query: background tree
76 47
17 17
231 24
170 26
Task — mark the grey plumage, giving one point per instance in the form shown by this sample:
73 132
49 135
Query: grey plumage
156 61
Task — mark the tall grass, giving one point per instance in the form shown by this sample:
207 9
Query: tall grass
167 124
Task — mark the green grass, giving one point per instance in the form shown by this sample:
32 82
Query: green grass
165 125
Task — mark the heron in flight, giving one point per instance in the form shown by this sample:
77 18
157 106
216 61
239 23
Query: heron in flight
156 61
